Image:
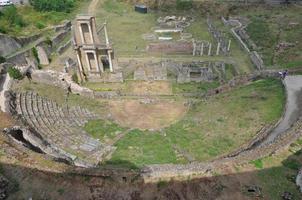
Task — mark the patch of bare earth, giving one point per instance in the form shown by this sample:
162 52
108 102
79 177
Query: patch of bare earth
154 114
150 88
5 120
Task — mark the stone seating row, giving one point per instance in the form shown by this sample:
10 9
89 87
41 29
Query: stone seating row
61 127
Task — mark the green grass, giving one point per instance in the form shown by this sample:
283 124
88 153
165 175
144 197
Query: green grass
280 172
274 182
269 27
36 21
123 21
193 87
59 96
103 129
211 128
143 147
257 163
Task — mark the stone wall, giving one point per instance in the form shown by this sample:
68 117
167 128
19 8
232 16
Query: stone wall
238 31
12 44
8 45
62 80
171 47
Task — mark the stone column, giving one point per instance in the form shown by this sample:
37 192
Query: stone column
97 63
229 45
88 62
106 34
194 47
90 33
201 49
210 48
81 33
80 65
110 61
218 49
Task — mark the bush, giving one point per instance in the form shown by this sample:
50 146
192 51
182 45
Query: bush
2 59
40 25
53 5
257 163
15 73
184 4
291 164
48 41
35 54
11 15
75 78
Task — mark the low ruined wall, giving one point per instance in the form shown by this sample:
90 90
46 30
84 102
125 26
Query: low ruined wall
66 26
241 36
171 47
8 45
61 80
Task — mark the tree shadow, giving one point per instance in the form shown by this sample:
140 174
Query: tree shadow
115 181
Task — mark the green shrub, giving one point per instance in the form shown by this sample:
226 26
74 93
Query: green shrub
2 59
184 4
53 5
48 41
11 15
15 73
291 164
75 78
35 54
3 30
257 163
40 25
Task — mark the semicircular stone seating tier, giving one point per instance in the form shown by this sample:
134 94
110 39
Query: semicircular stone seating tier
62 127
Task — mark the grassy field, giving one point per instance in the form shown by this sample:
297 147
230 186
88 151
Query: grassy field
35 21
212 127
270 27
126 28
193 87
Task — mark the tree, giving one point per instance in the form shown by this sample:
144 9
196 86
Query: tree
2 59
53 5
15 73
11 15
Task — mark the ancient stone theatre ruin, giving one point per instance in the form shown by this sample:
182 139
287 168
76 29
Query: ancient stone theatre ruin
94 54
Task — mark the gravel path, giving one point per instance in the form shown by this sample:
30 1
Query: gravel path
293 110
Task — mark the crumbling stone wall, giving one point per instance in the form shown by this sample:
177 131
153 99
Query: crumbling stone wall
179 47
238 31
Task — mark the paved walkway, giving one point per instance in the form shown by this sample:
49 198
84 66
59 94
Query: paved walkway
293 110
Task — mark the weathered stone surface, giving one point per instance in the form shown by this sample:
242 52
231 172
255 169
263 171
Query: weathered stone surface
8 45
57 130
3 187
299 180
42 56
66 26
181 47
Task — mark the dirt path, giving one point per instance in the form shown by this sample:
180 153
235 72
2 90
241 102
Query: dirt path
293 85
92 7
